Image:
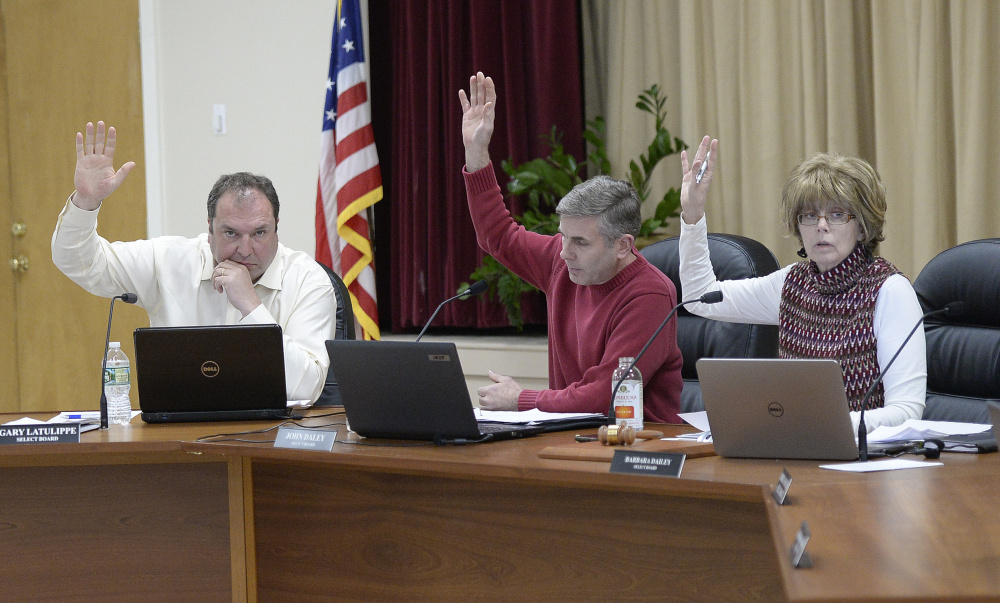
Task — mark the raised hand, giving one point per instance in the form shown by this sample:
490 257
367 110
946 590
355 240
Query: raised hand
95 176
694 194
478 114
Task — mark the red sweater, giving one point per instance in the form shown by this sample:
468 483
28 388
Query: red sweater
590 327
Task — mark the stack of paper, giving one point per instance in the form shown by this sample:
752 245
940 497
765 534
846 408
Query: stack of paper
917 429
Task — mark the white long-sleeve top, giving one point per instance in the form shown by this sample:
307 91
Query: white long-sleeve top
172 276
757 300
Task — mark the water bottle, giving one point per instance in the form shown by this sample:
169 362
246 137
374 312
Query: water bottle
628 397
117 382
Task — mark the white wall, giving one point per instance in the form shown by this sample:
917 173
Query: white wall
523 357
267 62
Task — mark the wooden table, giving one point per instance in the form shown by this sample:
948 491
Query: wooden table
149 513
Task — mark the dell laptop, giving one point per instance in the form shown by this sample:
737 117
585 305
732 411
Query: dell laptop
219 373
777 408
411 391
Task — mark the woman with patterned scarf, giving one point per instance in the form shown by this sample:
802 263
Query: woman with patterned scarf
844 302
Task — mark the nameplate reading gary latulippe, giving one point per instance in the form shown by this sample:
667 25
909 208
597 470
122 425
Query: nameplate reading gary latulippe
305 439
39 434
663 464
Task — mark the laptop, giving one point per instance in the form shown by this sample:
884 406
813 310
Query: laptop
984 441
777 408
411 391
219 373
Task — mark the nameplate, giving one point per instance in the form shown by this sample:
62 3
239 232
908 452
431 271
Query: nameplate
663 464
39 434
305 439
800 558
781 490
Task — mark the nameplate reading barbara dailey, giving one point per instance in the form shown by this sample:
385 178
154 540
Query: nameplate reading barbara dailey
663 464
39 434
305 439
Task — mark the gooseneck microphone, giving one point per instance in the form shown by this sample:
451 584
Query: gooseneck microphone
712 297
128 298
953 309
477 288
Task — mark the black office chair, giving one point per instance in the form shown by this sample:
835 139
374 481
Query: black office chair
733 257
963 352
344 330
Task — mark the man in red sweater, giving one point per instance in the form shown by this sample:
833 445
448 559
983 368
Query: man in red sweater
604 299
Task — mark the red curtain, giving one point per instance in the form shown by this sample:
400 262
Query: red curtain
531 50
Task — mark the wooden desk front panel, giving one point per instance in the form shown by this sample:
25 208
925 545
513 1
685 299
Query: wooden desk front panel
128 532
327 531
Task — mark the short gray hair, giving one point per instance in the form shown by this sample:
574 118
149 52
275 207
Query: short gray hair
614 202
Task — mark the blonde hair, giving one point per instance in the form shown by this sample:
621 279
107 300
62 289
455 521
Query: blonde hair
847 181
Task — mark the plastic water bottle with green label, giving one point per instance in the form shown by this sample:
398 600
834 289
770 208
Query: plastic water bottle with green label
117 383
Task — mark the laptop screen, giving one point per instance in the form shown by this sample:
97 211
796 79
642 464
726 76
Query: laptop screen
205 369
403 389
777 408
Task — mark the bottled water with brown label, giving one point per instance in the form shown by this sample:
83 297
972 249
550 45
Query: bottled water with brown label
628 397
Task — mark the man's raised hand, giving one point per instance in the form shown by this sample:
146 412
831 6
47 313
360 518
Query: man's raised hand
478 113
95 176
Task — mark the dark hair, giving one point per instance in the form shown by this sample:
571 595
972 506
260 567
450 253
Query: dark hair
241 183
614 202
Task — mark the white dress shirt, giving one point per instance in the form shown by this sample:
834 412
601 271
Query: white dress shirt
756 301
172 276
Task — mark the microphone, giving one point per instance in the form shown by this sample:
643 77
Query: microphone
128 298
477 288
931 449
953 309
712 297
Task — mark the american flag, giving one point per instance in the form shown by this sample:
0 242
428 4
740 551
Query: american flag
349 178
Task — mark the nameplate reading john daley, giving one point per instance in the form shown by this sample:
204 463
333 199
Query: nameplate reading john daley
305 439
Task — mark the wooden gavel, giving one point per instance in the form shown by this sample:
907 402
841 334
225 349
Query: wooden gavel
620 435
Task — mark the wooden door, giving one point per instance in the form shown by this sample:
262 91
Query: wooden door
63 63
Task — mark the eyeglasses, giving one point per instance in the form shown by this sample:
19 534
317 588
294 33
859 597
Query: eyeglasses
835 218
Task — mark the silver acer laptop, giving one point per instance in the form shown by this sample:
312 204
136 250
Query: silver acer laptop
777 408
218 373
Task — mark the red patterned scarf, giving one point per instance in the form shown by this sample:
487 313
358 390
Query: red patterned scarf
831 315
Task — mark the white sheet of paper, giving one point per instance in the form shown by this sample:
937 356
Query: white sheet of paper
25 421
85 424
883 465
528 416
698 419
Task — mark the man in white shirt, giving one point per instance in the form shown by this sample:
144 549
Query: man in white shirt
237 273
